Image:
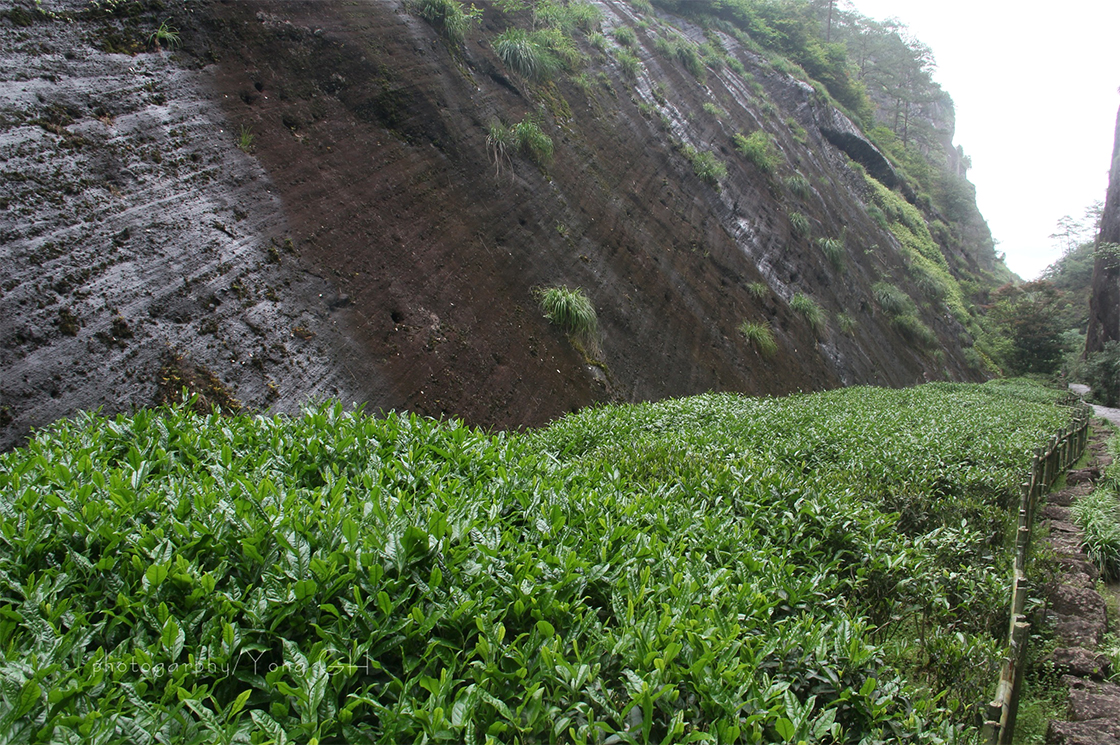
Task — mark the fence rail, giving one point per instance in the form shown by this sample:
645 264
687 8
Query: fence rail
1048 463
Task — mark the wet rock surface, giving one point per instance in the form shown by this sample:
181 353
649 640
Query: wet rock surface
135 239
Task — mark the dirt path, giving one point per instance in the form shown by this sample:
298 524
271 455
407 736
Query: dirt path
1104 412
1077 613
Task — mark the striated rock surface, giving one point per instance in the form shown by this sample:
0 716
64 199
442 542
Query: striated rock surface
299 201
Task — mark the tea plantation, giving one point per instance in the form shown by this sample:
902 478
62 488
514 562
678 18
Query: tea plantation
822 568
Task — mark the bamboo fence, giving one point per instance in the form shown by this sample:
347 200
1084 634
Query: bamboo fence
1050 462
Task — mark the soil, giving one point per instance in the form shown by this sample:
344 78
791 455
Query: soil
298 201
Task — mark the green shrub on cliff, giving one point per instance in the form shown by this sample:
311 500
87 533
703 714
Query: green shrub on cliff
526 137
808 309
572 311
625 36
523 52
891 300
799 224
451 18
532 140
761 336
706 165
799 186
758 147
628 63
833 250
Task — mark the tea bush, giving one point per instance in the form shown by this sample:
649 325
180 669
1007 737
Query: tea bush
713 568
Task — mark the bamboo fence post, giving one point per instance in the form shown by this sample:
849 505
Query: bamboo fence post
1019 635
1047 464
992 717
1052 461
1030 504
1045 469
1051 464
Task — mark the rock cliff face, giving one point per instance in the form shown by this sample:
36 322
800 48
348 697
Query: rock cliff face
1104 303
300 201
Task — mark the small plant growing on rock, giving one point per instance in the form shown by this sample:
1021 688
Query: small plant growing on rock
759 289
761 336
706 165
714 111
833 250
500 142
526 136
799 224
532 140
572 311
450 17
929 283
523 53
688 56
808 309
880 218
893 301
915 330
758 147
799 186
625 36
164 35
629 63
245 139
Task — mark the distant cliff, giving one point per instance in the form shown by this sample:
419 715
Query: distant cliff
292 200
1104 304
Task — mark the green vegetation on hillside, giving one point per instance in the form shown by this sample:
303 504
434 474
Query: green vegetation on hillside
792 31
1040 326
876 72
827 567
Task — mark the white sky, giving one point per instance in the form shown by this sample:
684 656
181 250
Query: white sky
1035 86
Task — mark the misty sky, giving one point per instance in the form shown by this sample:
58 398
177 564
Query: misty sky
1035 87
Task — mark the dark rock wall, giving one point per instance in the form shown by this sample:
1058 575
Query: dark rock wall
139 247
367 247
1104 303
